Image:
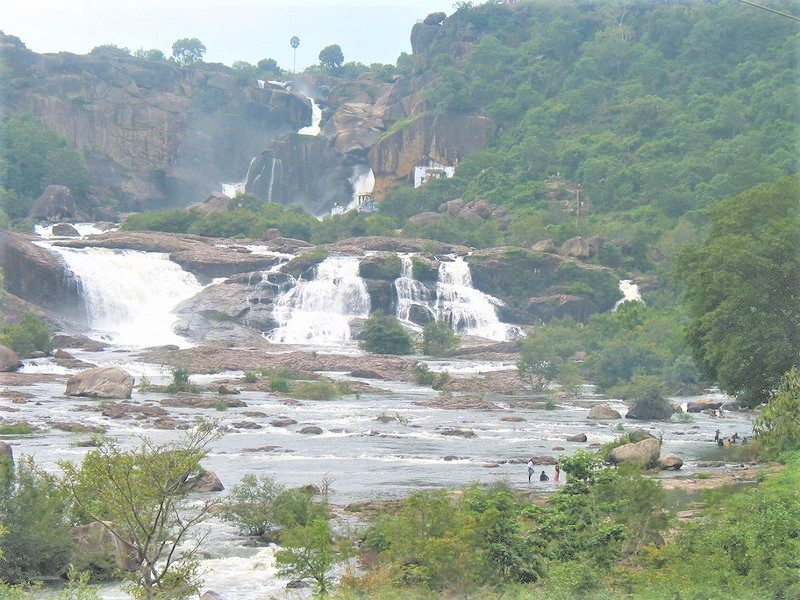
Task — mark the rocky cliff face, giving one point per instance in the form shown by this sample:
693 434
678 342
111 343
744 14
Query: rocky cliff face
153 133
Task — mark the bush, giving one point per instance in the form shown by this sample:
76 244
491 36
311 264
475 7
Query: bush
171 221
31 334
384 334
438 339
279 384
423 375
250 376
252 504
778 429
181 382
33 508
317 390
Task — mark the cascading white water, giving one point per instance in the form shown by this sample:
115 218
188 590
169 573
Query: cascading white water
129 295
84 229
316 119
410 292
469 311
630 293
231 190
318 312
271 179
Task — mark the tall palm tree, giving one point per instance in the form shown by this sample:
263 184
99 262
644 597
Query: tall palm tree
295 42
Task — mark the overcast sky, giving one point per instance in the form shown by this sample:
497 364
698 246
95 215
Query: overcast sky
367 31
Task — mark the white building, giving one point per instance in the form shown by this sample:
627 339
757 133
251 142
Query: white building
433 170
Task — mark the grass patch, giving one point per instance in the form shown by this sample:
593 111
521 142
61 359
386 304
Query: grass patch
16 429
319 390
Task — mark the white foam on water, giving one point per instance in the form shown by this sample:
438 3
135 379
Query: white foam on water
129 295
630 293
318 312
84 229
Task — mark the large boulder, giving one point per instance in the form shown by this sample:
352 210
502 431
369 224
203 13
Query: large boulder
97 548
670 462
380 266
547 246
435 18
650 410
217 202
644 453
6 451
102 382
55 204
703 404
65 230
204 483
603 412
9 360
581 247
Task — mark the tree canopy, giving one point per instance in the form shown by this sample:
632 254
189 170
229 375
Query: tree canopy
742 290
331 57
188 50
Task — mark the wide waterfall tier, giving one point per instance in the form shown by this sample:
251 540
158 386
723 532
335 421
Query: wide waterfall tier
318 312
129 295
468 311
630 293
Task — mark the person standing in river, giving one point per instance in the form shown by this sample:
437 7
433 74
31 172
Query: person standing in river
557 474
531 470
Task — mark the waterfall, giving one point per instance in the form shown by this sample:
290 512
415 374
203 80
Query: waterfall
231 190
271 180
410 292
318 312
129 295
630 293
363 182
316 119
469 311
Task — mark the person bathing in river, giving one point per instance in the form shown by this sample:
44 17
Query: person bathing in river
557 474
716 436
531 470
543 476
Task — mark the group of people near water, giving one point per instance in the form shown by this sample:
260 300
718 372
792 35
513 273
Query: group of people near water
543 476
729 441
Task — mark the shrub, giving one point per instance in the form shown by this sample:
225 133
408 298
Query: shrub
438 339
181 382
384 334
279 384
252 504
250 376
33 508
423 375
316 390
15 429
778 429
31 334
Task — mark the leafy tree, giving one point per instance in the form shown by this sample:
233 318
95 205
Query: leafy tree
269 67
28 335
34 511
438 339
252 504
140 495
153 54
188 51
742 290
384 334
777 429
309 551
545 350
331 58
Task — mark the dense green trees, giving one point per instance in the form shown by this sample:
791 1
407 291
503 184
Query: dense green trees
777 429
742 290
32 158
438 339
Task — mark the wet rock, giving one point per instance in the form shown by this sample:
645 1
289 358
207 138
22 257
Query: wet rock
513 419
101 382
254 414
464 433
296 584
169 423
9 360
211 595
580 437
386 266
246 425
227 390
204 483
384 419
644 453
648 410
55 204
62 354
97 547
451 457
6 452
37 354
366 374
77 428
670 462
310 430
420 315
603 412
703 405
120 410
262 449
78 341
558 448
284 422
65 230
190 401
490 465
450 402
